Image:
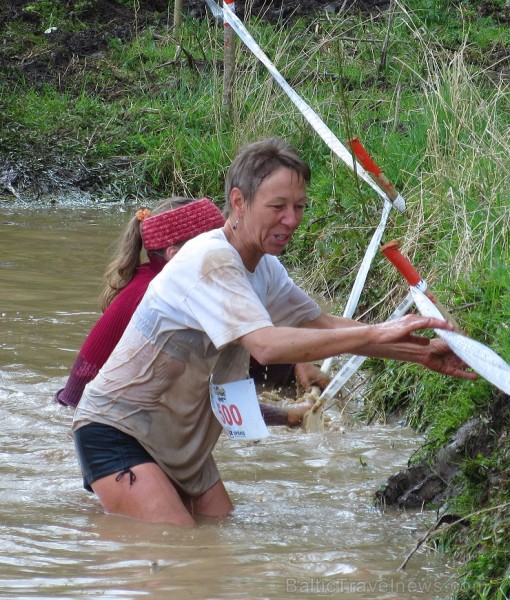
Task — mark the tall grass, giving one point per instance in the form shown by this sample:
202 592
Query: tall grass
457 228
457 233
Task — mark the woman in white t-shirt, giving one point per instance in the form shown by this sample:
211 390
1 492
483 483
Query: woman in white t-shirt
144 429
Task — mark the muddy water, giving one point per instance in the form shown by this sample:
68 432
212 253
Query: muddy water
304 524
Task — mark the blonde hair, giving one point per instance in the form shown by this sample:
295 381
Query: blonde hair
121 270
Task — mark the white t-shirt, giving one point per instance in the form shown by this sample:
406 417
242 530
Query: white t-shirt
155 385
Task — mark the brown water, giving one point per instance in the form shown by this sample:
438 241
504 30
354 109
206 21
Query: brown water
304 524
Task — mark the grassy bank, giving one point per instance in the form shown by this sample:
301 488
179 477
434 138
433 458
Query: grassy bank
132 111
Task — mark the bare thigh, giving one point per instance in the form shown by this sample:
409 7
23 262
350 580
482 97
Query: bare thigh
215 502
146 494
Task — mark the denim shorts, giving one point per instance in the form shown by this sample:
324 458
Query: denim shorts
104 450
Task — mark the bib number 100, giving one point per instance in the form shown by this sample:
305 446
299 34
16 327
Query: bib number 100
230 414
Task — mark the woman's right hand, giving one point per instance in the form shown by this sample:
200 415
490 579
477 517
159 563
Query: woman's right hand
435 354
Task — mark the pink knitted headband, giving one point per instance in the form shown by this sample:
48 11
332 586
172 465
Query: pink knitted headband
180 224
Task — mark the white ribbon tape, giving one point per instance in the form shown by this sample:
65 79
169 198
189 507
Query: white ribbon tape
479 357
355 362
216 11
310 115
359 282
399 203
357 288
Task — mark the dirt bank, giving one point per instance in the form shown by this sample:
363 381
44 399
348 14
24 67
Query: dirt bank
107 19
33 56
434 481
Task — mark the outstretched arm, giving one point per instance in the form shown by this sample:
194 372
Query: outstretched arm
330 336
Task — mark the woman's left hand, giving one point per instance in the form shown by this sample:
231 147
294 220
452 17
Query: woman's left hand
442 359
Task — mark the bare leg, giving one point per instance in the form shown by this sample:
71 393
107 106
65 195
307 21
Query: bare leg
215 502
150 496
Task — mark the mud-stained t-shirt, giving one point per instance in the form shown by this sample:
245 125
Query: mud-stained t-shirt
155 385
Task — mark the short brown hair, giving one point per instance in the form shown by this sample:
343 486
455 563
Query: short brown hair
256 161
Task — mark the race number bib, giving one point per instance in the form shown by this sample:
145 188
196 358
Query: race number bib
236 407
